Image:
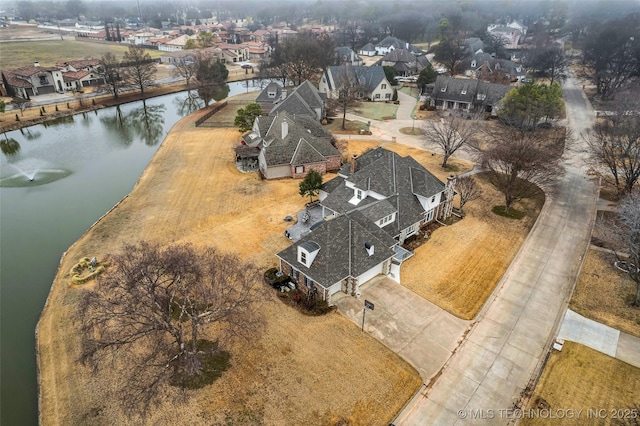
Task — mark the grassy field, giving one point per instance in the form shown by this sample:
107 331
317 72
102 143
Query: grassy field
376 110
579 377
302 370
603 293
467 259
48 52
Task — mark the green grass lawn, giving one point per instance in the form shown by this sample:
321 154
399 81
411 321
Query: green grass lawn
376 110
24 53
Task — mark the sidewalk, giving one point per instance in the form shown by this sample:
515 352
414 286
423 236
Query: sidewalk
600 337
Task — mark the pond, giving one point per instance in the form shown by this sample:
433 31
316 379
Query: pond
56 180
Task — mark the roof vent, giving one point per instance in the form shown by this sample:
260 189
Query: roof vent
369 247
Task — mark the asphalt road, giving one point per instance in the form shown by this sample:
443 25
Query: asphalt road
504 350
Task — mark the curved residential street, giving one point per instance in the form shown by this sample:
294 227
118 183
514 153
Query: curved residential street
504 349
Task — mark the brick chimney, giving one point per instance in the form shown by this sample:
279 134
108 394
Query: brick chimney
354 163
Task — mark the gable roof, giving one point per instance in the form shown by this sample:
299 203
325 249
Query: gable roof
272 87
369 77
305 141
369 47
303 100
342 252
399 180
466 90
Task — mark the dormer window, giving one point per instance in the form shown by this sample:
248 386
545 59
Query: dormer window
307 252
358 194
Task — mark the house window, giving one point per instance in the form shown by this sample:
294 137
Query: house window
433 198
295 274
387 96
303 257
412 229
384 86
429 216
307 281
386 219
377 95
358 194
299 169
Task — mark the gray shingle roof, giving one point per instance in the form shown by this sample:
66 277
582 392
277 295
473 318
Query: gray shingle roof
397 179
272 87
342 250
305 142
466 90
369 77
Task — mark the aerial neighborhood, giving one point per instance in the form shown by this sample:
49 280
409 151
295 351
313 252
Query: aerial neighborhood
351 213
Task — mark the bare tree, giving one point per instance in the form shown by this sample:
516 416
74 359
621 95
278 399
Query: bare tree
110 73
349 91
451 52
520 162
186 68
615 144
449 134
468 190
211 75
138 68
612 55
547 62
624 235
22 104
155 306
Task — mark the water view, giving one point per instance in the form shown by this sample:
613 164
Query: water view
57 179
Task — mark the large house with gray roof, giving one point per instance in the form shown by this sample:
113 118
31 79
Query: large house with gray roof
377 201
304 99
289 146
373 81
465 94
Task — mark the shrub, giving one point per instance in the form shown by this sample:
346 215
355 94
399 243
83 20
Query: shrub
271 277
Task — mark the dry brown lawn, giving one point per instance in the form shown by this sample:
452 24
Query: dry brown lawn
579 377
604 293
458 268
302 370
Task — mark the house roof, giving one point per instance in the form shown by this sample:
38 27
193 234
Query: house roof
369 47
369 77
396 43
466 90
341 249
73 76
272 87
399 180
15 81
304 142
303 100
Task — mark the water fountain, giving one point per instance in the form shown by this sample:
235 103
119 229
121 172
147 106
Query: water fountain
26 175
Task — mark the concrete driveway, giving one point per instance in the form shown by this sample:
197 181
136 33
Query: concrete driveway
417 330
